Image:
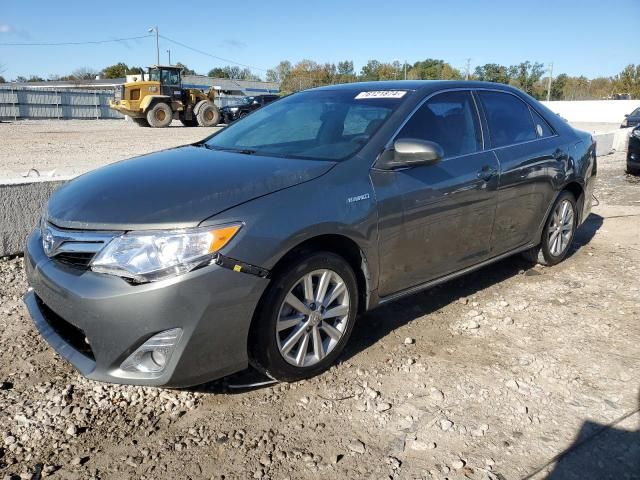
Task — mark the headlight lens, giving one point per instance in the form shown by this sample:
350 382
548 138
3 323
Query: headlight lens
233 109
155 255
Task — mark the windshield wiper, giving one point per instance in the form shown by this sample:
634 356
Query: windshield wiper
244 151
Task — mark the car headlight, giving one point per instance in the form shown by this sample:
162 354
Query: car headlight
635 132
625 123
155 255
233 109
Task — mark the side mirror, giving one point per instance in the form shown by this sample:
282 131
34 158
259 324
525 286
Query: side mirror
410 152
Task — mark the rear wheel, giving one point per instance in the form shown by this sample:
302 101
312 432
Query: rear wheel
160 115
558 232
305 318
141 122
208 115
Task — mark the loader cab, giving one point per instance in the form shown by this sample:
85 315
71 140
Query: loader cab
169 78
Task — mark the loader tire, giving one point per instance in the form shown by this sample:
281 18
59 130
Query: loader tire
208 114
160 115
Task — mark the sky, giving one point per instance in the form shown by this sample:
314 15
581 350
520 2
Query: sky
580 37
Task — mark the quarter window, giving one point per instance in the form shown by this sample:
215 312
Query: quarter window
508 118
542 127
448 119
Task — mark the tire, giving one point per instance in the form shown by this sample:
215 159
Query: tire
208 114
160 115
242 115
141 122
552 250
284 343
189 123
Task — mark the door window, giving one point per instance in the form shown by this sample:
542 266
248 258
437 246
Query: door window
449 119
508 118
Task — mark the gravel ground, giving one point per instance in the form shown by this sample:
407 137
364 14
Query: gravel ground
71 147
511 372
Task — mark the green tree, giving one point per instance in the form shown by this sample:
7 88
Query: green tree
525 76
628 81
433 69
492 72
119 70
186 70
558 86
35 78
217 72
370 71
2 79
279 72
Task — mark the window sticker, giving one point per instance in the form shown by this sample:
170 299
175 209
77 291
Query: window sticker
381 94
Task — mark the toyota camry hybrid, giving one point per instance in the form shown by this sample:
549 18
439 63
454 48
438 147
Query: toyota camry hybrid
261 244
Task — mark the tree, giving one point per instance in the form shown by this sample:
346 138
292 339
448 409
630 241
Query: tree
35 78
558 85
217 72
119 70
492 72
2 79
433 69
525 76
185 70
628 81
84 73
279 72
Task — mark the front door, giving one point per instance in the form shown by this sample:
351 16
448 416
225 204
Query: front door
437 219
170 84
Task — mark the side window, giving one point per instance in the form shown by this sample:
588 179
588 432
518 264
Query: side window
449 119
542 127
508 118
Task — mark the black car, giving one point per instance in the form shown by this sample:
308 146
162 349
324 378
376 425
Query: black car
633 152
233 112
631 120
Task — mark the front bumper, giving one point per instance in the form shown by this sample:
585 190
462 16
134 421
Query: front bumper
213 305
122 107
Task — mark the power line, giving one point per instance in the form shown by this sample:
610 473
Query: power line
54 44
212 56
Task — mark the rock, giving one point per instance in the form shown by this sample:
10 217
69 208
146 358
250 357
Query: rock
507 321
72 430
10 440
409 341
503 304
370 392
473 313
357 446
419 446
511 384
472 324
436 395
76 461
457 464
383 406
446 424
265 460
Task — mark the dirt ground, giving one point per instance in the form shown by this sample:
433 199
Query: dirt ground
58 148
511 372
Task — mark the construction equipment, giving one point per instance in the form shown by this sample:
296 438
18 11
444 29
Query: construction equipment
159 98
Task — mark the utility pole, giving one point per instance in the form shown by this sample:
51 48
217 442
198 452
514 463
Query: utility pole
550 79
405 69
155 29
169 52
467 69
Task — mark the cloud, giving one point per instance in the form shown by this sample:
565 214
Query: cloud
4 28
233 43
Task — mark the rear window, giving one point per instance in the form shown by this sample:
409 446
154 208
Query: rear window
508 117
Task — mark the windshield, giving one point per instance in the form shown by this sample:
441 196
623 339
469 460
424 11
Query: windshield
246 100
324 124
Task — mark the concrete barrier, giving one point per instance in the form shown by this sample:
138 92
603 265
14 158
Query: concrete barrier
597 111
22 203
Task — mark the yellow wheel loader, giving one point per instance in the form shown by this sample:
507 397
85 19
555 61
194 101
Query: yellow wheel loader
159 98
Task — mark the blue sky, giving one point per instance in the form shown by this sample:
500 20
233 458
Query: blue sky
587 37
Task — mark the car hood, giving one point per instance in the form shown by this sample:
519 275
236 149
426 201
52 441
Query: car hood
175 188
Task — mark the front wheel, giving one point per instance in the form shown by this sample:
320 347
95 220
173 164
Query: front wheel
160 115
558 232
208 114
305 318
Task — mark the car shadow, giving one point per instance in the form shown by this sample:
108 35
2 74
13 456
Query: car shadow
381 321
598 452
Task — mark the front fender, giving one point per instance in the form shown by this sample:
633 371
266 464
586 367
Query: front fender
150 100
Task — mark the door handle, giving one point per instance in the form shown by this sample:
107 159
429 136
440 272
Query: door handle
486 173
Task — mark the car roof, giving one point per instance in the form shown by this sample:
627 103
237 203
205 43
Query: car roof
416 85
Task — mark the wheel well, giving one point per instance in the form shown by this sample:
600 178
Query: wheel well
340 245
577 191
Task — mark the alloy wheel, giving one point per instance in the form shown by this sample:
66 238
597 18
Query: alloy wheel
561 228
313 318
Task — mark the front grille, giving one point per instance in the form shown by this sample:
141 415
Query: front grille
79 259
69 333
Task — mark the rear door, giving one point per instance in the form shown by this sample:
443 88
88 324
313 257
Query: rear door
530 155
437 219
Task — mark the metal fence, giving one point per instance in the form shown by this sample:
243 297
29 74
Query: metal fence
39 103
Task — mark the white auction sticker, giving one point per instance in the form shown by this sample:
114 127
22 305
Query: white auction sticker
381 94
